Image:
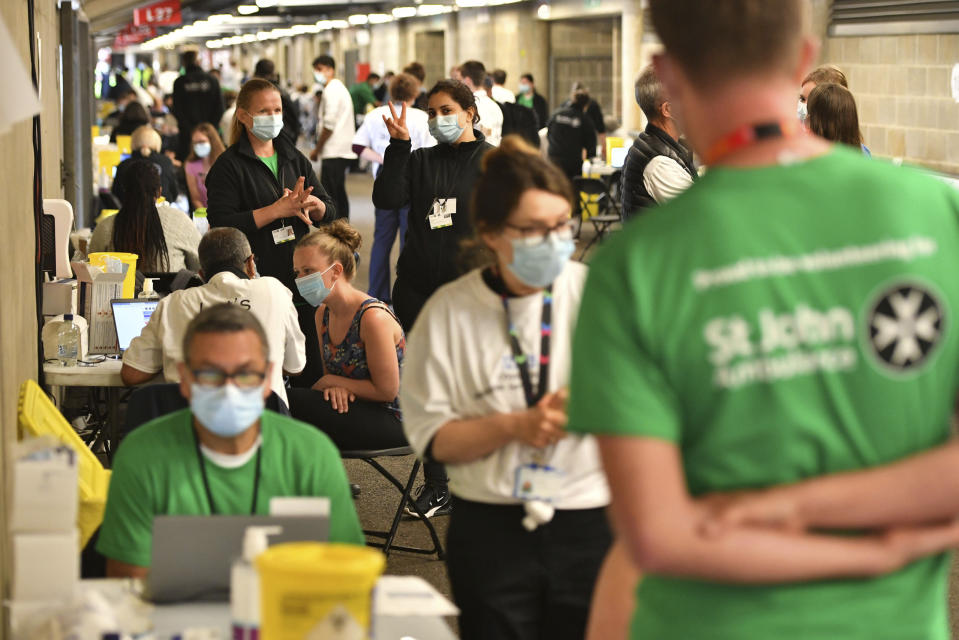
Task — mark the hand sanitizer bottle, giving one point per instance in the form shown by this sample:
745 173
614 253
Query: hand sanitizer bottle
245 584
68 342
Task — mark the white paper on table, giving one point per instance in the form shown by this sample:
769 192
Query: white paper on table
409 596
300 506
20 100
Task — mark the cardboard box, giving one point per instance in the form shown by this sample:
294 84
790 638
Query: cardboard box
98 289
45 493
46 566
59 297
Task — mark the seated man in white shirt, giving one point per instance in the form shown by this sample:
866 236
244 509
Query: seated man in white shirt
658 166
491 116
226 263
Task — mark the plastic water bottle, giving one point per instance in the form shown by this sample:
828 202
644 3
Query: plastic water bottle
68 342
201 221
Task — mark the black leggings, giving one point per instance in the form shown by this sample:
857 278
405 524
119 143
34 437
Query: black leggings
513 584
367 425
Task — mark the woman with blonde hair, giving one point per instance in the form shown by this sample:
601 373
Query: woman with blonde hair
145 144
205 147
361 342
263 186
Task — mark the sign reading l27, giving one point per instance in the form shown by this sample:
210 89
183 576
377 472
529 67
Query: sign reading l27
165 12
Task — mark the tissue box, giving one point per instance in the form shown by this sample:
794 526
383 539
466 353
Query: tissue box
59 297
45 494
46 566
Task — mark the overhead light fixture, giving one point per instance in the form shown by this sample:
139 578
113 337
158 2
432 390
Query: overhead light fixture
404 12
247 9
380 18
358 19
543 12
471 3
429 9
249 37
262 35
301 28
264 4
324 25
219 18
339 24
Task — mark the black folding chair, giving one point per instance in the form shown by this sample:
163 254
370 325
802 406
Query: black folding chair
369 456
593 191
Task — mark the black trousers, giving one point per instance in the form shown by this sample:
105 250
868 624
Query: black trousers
367 425
407 303
512 584
314 366
333 179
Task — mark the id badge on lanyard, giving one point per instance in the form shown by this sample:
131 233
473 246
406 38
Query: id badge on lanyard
442 213
284 234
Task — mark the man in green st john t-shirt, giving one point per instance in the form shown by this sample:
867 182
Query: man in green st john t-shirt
225 455
789 324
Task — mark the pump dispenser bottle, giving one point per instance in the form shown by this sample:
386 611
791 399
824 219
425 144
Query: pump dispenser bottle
245 584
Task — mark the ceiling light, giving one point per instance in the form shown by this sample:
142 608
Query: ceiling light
324 24
339 24
247 9
430 9
470 3
262 35
301 28
379 18
404 12
358 19
313 29
219 18
543 12
263 4
249 37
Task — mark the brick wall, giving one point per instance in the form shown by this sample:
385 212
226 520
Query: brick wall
902 89
582 51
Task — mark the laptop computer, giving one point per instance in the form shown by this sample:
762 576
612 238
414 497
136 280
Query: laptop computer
192 555
129 318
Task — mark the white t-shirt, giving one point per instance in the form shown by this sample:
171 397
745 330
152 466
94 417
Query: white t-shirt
373 133
502 94
159 345
459 365
491 117
665 179
336 114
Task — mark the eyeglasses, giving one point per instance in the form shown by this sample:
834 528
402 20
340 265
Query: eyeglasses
215 378
532 236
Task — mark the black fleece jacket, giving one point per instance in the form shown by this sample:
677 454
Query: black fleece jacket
429 258
239 182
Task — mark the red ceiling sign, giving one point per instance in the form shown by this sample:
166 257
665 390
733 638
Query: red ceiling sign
159 14
132 34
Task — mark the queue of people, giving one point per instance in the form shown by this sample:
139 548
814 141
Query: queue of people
687 420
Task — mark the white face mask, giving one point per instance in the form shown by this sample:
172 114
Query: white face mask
801 112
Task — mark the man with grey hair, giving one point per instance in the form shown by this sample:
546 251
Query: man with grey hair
658 166
228 266
225 454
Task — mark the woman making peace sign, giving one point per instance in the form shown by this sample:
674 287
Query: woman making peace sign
437 184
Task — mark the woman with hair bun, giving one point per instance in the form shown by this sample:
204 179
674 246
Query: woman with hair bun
484 391
360 341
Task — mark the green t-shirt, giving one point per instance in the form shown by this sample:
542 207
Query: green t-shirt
156 472
362 94
525 100
272 163
780 323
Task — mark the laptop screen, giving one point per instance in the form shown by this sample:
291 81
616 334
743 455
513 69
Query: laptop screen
618 156
129 317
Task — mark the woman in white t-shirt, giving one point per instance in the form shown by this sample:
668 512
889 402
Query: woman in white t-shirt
484 392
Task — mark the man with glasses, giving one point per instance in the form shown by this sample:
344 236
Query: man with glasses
225 455
229 268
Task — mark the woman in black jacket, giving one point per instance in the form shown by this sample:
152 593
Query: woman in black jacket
267 189
437 184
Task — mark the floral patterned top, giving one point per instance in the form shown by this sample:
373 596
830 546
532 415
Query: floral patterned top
348 358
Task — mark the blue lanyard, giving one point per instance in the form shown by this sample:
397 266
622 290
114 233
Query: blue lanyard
522 362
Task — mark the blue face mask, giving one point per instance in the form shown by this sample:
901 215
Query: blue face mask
446 128
313 289
267 127
226 411
540 264
201 149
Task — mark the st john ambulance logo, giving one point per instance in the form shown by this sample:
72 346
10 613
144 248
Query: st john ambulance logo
905 325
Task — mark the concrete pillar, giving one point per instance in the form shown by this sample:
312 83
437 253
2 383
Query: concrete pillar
631 63
451 41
